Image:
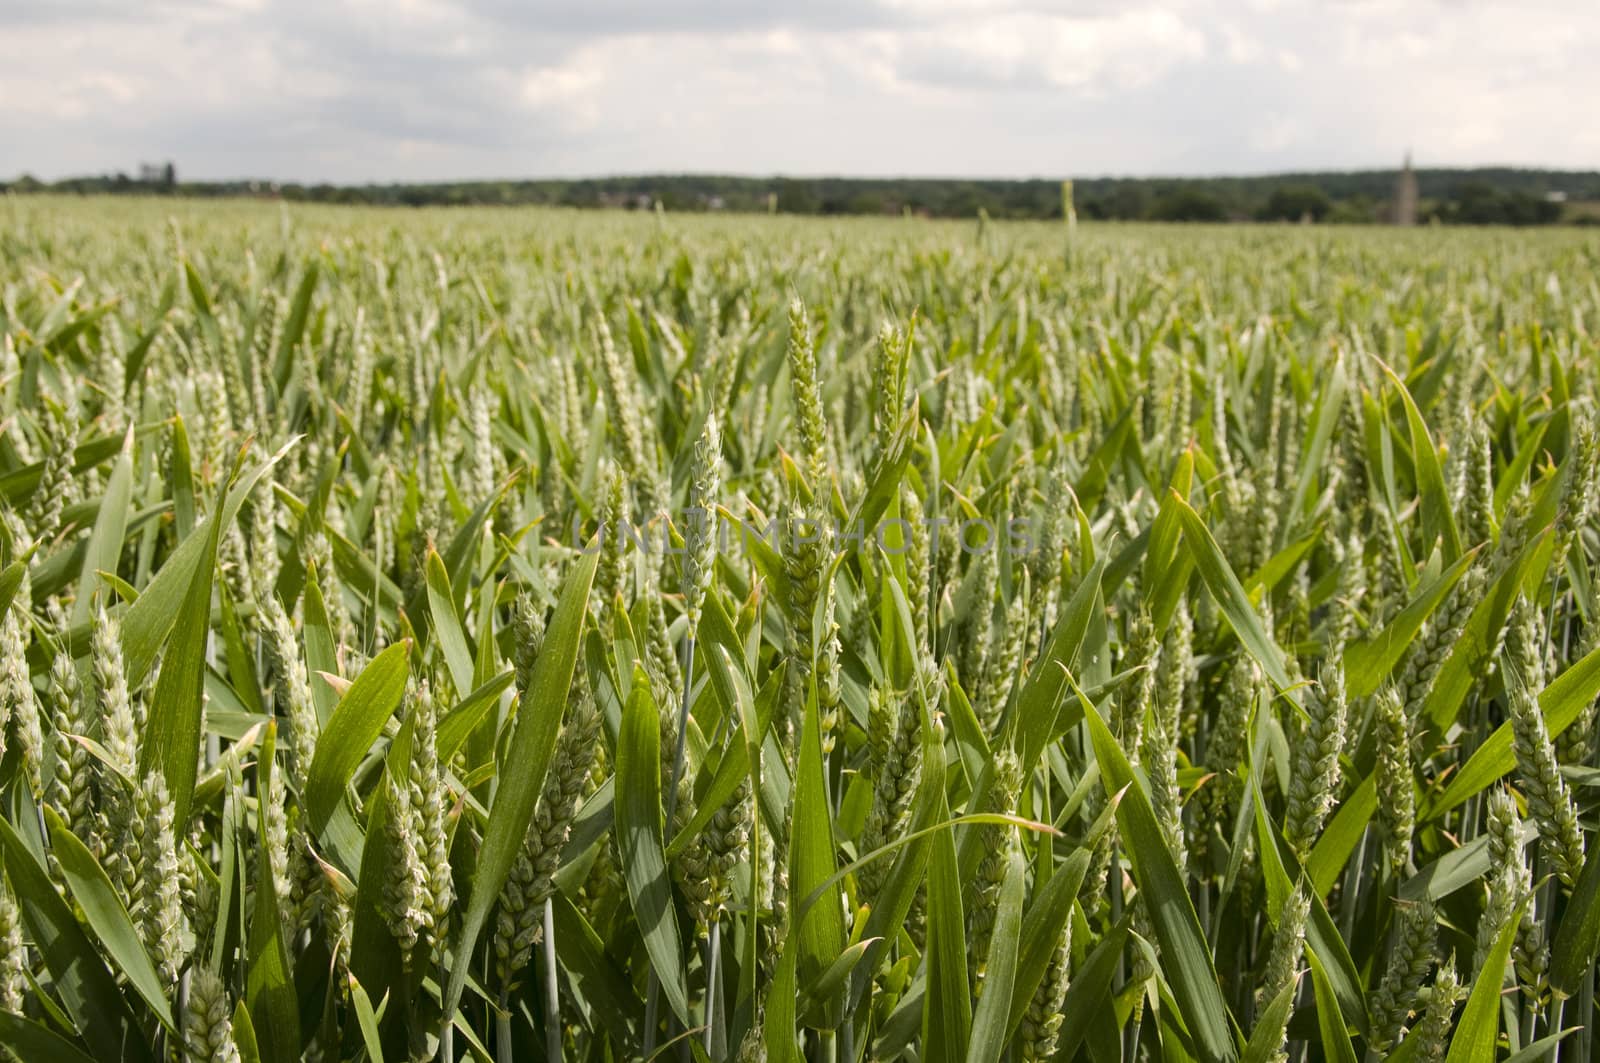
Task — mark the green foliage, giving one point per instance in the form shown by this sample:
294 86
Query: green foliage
1228 691
1295 202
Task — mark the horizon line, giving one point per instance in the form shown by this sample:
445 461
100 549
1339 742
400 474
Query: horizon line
724 175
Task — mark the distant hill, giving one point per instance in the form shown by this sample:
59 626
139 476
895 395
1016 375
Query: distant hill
1467 196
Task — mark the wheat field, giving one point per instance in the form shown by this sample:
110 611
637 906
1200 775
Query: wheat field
531 635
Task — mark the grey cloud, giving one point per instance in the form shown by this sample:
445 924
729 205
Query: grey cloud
366 90
626 17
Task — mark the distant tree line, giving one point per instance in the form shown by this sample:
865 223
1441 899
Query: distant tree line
1469 197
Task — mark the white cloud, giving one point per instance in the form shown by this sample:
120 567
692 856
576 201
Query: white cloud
1044 52
548 86
424 89
1239 46
1276 133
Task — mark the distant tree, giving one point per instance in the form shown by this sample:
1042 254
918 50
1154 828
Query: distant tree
1475 203
1528 209
865 203
671 199
1188 204
576 195
1478 202
1357 210
796 197
1296 201
1130 200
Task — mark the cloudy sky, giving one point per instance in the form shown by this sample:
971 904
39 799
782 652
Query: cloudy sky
379 90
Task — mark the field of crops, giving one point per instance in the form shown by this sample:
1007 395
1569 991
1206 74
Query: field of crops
534 635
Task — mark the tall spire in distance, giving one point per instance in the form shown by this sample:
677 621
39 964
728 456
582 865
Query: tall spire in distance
1405 195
